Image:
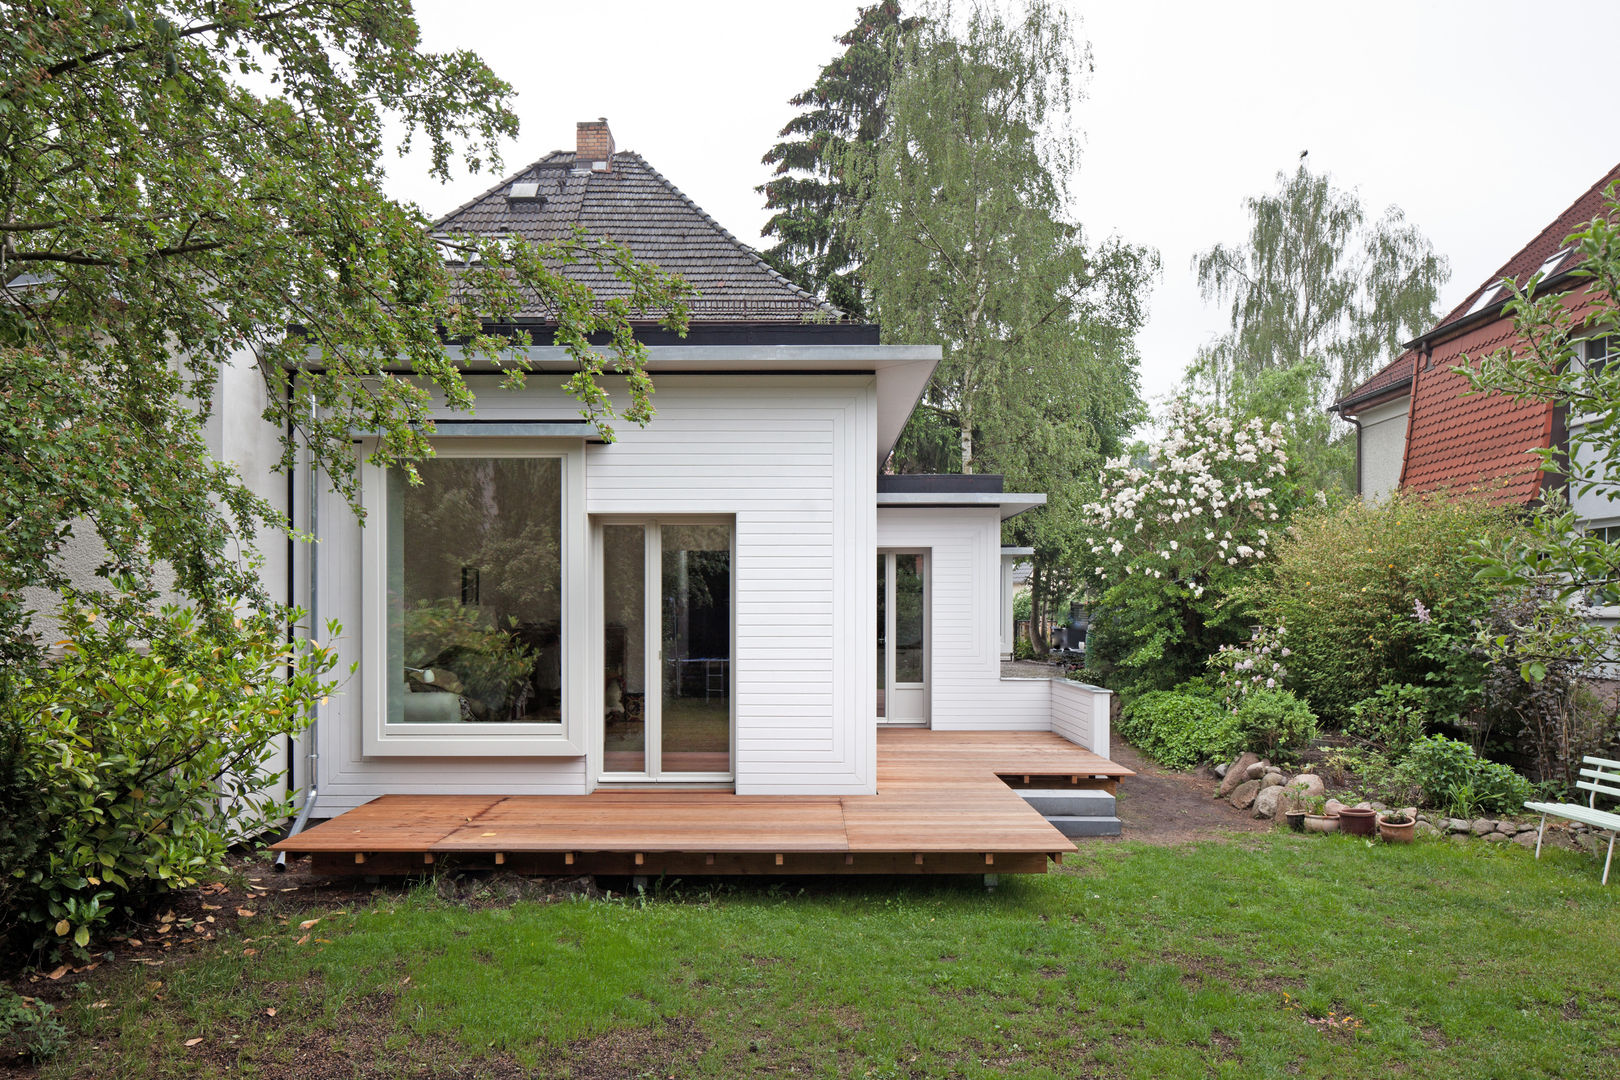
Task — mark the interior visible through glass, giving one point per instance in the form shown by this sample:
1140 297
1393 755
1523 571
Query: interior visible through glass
882 629
624 647
475 592
908 619
695 720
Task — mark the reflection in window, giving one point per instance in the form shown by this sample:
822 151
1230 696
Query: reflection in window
475 592
908 619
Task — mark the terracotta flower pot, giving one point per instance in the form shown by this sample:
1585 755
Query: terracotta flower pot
1296 820
1391 833
1322 823
1358 822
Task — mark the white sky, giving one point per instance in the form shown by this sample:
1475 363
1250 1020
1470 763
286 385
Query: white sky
1482 120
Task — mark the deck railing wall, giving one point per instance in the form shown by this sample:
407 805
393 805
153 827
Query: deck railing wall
1080 714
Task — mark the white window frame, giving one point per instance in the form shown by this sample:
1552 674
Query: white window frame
565 738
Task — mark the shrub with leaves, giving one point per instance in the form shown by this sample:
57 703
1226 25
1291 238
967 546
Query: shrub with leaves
1452 776
1392 717
1257 665
1180 728
1376 593
1273 723
1173 537
144 759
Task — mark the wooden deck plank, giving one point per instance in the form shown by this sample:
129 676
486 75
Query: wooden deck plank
940 797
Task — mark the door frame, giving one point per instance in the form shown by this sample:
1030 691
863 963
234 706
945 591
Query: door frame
653 652
925 688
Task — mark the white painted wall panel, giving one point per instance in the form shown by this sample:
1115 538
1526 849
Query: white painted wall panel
1382 445
789 457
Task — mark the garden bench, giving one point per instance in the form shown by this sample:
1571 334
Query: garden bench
1603 776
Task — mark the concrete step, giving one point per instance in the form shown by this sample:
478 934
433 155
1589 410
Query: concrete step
1070 802
1086 826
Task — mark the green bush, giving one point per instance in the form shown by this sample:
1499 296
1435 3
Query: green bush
1273 722
28 1029
1393 718
1180 728
1149 634
143 753
1452 777
1377 593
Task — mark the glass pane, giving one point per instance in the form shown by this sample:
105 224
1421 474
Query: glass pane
475 592
695 725
624 614
882 628
908 619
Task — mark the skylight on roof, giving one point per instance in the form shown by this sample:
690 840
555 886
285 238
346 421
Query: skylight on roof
1549 267
1485 300
524 191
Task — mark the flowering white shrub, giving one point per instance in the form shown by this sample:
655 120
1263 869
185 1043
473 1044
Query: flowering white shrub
1258 665
1204 506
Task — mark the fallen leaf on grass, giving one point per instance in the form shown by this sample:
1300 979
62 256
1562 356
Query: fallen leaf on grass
245 912
194 1042
303 940
307 923
210 907
269 1012
406 981
58 973
100 1004
135 941
250 952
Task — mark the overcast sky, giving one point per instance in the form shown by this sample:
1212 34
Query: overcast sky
1482 120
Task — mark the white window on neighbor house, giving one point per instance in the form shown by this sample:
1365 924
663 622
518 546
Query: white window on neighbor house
468 585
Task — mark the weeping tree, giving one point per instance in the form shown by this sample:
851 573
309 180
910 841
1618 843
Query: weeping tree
1317 298
967 238
807 195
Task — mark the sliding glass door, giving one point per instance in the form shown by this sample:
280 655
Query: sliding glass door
667 650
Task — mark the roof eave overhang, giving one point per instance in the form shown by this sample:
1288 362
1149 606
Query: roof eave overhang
1351 406
1461 325
1010 504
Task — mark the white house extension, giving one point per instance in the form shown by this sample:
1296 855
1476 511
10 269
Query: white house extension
728 603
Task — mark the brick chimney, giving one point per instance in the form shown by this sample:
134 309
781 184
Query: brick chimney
593 146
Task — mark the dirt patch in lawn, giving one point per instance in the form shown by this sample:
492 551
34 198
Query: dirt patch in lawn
1162 807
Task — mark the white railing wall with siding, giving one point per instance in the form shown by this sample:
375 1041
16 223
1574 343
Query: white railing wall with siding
1080 714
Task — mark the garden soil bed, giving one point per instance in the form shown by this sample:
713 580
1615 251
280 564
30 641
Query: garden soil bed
1157 806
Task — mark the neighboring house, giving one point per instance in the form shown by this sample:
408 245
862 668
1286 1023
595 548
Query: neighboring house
731 598
1418 431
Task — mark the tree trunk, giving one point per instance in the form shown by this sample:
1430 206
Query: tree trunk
1037 615
965 420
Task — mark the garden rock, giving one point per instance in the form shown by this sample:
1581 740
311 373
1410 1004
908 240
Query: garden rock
1273 779
1526 840
1235 776
1482 826
1507 827
1333 807
1410 811
1221 770
1256 771
1424 828
1378 806
1311 783
1243 796
1270 801
1456 825
1496 837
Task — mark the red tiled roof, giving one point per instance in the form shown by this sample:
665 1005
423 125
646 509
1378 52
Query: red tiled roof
1528 259
1395 375
1480 443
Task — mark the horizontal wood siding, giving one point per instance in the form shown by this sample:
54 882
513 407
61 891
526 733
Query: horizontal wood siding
966 691
789 458
1080 714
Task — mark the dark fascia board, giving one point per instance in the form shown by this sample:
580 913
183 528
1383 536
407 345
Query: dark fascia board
1387 392
939 483
699 333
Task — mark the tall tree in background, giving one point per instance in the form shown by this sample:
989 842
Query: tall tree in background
1318 297
807 193
968 242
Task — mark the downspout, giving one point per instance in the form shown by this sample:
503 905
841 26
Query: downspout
312 733
1353 422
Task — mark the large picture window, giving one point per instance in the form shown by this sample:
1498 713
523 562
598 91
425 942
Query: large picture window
474 597
474 589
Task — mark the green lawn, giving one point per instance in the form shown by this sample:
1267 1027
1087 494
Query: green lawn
1261 956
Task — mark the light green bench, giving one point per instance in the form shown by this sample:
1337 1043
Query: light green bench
1603 776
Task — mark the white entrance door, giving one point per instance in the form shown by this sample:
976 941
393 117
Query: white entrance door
666 650
902 632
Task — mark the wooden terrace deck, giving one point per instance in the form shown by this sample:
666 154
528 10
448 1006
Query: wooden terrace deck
942 807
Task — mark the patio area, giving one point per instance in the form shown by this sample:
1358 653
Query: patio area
946 804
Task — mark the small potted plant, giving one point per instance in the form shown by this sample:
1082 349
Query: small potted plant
1396 827
1295 812
1317 819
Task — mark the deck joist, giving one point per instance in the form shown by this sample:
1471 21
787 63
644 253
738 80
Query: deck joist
944 804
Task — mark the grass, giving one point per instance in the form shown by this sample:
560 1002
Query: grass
1264 956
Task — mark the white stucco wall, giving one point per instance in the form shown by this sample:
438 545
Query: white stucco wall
1382 447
